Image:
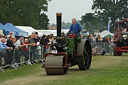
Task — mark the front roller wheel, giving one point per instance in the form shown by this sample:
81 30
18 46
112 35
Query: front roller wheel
84 61
53 65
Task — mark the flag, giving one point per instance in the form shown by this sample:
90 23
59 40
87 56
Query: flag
109 22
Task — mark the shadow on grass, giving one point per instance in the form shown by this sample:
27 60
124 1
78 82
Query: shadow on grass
73 69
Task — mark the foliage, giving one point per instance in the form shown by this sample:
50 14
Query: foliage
24 12
43 21
104 9
92 22
110 8
68 24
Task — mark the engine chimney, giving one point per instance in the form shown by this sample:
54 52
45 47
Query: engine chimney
58 15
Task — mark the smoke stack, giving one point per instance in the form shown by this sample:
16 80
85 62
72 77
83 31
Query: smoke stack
58 15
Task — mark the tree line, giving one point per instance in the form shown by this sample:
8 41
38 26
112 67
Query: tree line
25 13
33 13
102 10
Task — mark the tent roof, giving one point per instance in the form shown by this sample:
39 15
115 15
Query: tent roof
48 32
105 33
2 27
109 36
18 31
28 29
54 32
7 30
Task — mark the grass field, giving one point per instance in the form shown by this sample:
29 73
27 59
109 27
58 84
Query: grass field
105 70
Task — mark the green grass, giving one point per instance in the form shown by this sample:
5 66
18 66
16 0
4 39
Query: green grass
25 70
105 70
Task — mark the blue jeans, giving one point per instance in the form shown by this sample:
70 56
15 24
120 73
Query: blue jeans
33 54
26 54
17 56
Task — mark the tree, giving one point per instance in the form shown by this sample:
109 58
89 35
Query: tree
43 21
92 22
110 8
68 25
24 12
104 9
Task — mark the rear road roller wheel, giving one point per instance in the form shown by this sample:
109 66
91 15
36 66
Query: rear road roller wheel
55 62
84 61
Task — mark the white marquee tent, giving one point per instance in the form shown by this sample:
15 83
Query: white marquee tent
28 29
40 32
105 33
54 32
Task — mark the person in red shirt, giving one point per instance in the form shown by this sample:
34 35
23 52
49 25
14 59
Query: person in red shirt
24 50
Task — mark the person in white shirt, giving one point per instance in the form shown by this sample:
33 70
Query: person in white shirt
19 44
1 36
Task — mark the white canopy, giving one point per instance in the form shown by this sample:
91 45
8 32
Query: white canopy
40 32
48 32
28 29
105 33
1 31
54 32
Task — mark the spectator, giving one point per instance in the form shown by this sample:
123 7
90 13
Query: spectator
106 40
17 51
90 38
33 48
98 38
10 33
24 50
42 41
3 49
36 39
7 37
47 43
112 39
51 39
47 39
36 33
10 52
20 42
1 36
124 31
29 36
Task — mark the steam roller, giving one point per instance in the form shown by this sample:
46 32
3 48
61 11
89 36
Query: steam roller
68 51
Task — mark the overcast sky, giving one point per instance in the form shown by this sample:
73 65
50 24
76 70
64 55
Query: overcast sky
69 8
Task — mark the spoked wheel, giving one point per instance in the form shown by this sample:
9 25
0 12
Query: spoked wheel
53 65
115 52
84 61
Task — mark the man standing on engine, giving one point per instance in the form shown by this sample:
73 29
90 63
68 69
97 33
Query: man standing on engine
75 27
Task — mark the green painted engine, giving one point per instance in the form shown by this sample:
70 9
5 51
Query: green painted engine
68 51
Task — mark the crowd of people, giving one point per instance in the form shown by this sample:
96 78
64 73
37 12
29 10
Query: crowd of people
101 45
98 38
12 48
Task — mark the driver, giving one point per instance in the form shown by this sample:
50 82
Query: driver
75 27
